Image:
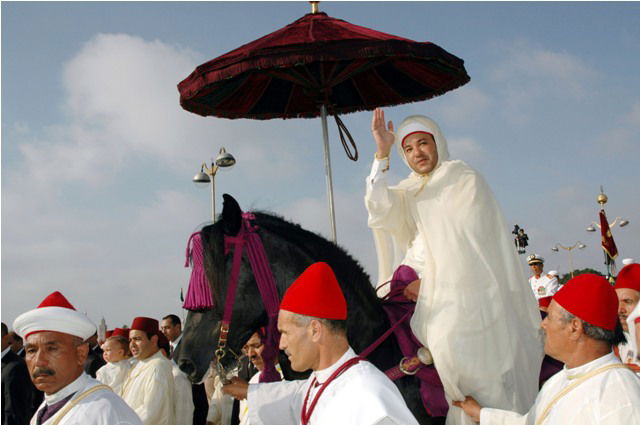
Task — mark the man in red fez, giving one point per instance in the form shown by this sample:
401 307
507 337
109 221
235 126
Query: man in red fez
628 290
594 387
149 389
342 389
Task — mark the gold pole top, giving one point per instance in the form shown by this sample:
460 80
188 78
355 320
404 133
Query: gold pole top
314 6
602 198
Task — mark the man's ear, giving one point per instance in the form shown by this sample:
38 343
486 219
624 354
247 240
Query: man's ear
317 330
576 328
154 341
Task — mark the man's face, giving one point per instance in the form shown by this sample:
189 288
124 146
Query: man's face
112 351
296 342
627 301
421 152
54 360
556 331
536 268
170 330
253 349
141 346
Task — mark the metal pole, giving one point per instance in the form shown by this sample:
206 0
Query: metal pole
213 197
327 168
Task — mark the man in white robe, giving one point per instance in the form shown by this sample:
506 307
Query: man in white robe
150 388
183 400
594 388
628 290
473 313
543 285
342 388
56 349
116 354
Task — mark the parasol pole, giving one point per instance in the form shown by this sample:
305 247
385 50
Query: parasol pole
327 169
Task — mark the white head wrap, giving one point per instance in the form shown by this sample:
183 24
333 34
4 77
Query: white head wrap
55 314
420 123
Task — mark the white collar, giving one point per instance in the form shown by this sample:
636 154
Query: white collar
65 392
175 342
5 351
579 371
324 374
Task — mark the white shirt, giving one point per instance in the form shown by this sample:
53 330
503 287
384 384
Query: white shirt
150 390
362 395
610 398
184 398
174 344
544 286
114 374
102 407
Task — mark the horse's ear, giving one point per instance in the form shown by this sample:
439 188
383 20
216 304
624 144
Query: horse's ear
231 215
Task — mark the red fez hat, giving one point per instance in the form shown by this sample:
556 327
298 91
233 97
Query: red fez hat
316 293
56 299
121 332
544 301
108 334
591 298
629 277
146 324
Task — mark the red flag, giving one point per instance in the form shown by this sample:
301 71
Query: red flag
608 245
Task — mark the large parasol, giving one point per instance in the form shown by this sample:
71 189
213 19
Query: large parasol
319 66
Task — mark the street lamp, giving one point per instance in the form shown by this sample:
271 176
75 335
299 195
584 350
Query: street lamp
208 175
621 222
578 245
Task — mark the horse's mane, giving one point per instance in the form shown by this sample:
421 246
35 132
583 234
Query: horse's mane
314 245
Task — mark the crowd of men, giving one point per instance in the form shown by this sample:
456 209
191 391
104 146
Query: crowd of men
474 315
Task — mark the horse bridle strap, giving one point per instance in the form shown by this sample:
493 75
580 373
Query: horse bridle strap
247 236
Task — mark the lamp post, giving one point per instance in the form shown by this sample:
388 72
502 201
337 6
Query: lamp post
578 245
608 244
208 175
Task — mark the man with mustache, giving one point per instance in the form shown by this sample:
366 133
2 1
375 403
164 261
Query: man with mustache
342 389
472 312
56 350
594 388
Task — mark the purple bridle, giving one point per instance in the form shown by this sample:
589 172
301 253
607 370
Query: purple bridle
248 238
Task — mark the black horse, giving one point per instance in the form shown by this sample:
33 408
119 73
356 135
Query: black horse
290 249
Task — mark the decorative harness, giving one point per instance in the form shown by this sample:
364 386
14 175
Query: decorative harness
248 238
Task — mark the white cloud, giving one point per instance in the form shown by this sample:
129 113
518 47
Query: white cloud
467 149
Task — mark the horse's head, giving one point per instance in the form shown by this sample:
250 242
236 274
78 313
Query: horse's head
290 249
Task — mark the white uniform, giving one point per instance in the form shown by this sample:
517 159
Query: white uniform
609 398
244 404
184 398
101 407
477 319
114 374
150 390
362 395
544 286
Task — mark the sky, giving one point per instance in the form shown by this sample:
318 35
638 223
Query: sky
98 156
